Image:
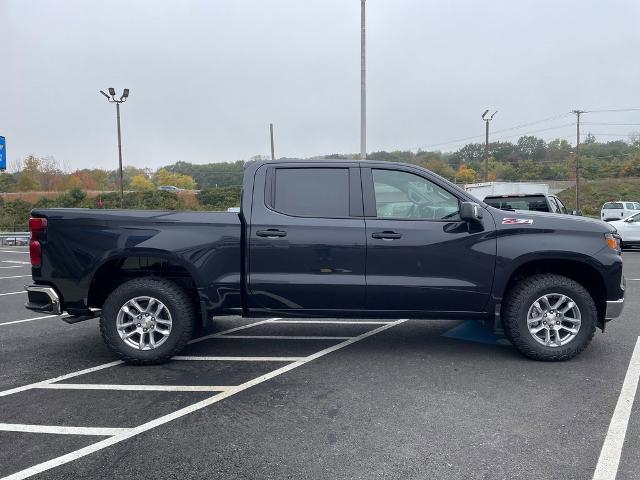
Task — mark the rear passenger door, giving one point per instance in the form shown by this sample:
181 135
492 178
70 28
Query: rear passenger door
307 244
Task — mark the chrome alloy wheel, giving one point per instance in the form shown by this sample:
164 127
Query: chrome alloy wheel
144 323
553 320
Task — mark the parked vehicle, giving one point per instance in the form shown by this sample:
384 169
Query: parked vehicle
486 189
169 188
629 230
538 202
328 239
618 210
16 241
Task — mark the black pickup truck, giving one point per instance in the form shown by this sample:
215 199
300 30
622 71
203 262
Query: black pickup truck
327 238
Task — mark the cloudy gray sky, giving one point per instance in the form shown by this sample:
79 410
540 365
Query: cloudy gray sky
207 77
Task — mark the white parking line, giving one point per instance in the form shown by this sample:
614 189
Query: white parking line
338 322
60 378
12 293
14 251
104 365
12 266
231 330
20 262
57 429
285 337
28 320
607 467
15 276
238 359
82 452
135 388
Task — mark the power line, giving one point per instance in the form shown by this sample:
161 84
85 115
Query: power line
515 127
613 110
606 123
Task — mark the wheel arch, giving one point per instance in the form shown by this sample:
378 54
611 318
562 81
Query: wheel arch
124 266
578 270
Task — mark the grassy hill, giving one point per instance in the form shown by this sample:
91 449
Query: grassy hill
593 193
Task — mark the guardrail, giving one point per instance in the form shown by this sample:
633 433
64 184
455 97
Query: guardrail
14 238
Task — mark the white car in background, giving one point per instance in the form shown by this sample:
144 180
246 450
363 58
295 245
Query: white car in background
629 230
618 210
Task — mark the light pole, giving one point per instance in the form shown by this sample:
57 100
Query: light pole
112 99
363 85
486 143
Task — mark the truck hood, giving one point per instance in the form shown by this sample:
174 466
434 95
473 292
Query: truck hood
553 221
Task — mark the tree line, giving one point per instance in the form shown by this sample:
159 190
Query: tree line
530 158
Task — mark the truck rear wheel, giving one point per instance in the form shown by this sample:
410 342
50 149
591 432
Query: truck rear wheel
146 321
549 317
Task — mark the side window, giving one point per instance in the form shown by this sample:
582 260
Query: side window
312 192
563 209
555 208
407 196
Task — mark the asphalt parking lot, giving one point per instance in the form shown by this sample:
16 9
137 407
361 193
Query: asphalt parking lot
319 400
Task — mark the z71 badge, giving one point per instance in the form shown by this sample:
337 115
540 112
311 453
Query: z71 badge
517 221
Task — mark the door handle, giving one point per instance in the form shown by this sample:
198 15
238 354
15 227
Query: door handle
271 233
386 235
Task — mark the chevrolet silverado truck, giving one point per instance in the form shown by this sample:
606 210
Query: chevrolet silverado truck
363 239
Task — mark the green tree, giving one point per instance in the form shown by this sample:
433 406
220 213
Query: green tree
165 177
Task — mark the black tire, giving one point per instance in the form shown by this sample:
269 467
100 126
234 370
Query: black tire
524 294
172 296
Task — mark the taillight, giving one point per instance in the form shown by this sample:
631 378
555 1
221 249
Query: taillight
37 227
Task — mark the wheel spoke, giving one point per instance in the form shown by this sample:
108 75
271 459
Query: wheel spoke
159 309
152 340
128 311
136 305
568 307
531 321
560 301
163 321
545 301
141 342
130 334
122 326
547 337
572 331
557 338
535 330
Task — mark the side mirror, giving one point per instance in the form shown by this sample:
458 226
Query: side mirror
470 211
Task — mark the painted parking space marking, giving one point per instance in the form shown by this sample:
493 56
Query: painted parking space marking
286 337
136 388
330 322
236 359
10 266
62 430
19 262
221 395
26 319
12 293
15 276
14 251
609 459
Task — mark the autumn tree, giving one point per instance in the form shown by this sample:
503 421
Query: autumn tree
141 182
165 177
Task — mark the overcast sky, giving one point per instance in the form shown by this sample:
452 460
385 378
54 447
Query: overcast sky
207 77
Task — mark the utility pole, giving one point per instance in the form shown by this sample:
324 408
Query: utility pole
112 99
363 85
578 113
273 155
486 143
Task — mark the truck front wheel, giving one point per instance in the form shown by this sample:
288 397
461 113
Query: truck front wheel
146 321
549 317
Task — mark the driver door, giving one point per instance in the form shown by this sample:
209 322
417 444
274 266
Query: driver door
420 256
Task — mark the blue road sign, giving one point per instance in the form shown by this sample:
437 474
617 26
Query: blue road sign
3 154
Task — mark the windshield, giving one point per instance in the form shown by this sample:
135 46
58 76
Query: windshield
536 203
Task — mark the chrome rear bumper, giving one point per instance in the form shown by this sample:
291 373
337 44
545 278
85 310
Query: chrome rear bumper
41 298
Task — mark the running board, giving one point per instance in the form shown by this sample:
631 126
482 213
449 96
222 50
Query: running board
71 319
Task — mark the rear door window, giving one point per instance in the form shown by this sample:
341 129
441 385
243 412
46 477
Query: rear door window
612 206
312 192
535 203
